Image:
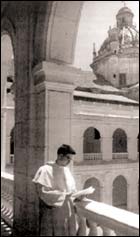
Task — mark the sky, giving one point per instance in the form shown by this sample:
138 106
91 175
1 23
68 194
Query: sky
96 17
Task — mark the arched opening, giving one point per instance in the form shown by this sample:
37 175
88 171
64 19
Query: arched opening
95 184
120 192
138 143
119 144
7 100
92 144
12 144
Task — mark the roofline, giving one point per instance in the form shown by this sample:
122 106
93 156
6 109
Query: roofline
78 97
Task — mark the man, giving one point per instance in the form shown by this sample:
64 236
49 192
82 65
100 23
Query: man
55 184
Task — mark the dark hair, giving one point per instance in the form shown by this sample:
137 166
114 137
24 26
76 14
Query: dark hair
65 149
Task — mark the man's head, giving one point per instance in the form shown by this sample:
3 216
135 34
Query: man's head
64 155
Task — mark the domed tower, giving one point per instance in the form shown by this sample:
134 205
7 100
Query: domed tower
124 17
117 60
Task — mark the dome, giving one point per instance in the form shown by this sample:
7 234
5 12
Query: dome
124 10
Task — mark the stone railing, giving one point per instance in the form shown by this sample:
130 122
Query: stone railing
99 219
122 155
95 218
92 156
7 186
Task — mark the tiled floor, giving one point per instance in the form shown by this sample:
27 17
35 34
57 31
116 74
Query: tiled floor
5 229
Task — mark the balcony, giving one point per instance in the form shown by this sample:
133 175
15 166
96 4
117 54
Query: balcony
92 156
120 156
95 218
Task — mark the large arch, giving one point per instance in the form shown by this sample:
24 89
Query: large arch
119 192
56 30
7 95
91 141
119 144
138 143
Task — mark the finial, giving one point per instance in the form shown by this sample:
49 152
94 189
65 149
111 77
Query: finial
94 50
124 3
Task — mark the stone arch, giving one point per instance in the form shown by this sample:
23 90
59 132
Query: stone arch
7 27
7 87
119 192
12 145
119 143
91 141
53 17
138 143
94 182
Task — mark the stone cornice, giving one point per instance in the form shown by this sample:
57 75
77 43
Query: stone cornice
52 72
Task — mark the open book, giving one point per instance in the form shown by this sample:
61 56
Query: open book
83 192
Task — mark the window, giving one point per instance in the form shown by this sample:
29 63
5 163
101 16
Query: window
122 79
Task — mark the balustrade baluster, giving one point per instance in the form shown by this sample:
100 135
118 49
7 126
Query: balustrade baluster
93 231
82 229
106 231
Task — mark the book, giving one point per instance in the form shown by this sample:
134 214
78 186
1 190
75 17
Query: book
83 192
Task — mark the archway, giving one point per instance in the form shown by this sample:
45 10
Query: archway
95 184
119 194
92 144
7 97
119 144
138 143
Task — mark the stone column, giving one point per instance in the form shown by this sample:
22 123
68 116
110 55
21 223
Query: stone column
77 141
132 148
3 140
8 150
54 87
132 196
106 191
106 148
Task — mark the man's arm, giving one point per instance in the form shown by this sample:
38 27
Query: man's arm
51 197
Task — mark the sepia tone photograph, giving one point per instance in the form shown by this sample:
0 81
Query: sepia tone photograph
69 118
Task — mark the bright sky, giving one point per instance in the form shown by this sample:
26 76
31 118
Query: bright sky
96 17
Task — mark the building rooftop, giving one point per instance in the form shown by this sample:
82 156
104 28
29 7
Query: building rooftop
104 97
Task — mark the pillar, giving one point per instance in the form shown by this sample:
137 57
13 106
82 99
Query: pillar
106 148
132 196
3 140
132 148
54 91
106 190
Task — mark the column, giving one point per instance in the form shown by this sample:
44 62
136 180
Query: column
106 148
8 150
54 87
132 196
106 191
132 148
3 140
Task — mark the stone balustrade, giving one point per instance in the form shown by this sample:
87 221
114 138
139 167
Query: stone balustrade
120 155
7 186
100 219
92 156
95 218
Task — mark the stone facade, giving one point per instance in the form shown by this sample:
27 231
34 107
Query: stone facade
49 111
117 60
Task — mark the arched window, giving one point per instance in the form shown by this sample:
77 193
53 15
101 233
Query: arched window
120 192
119 141
7 98
138 143
91 143
95 184
12 134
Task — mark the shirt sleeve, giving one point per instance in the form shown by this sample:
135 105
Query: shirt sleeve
51 197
